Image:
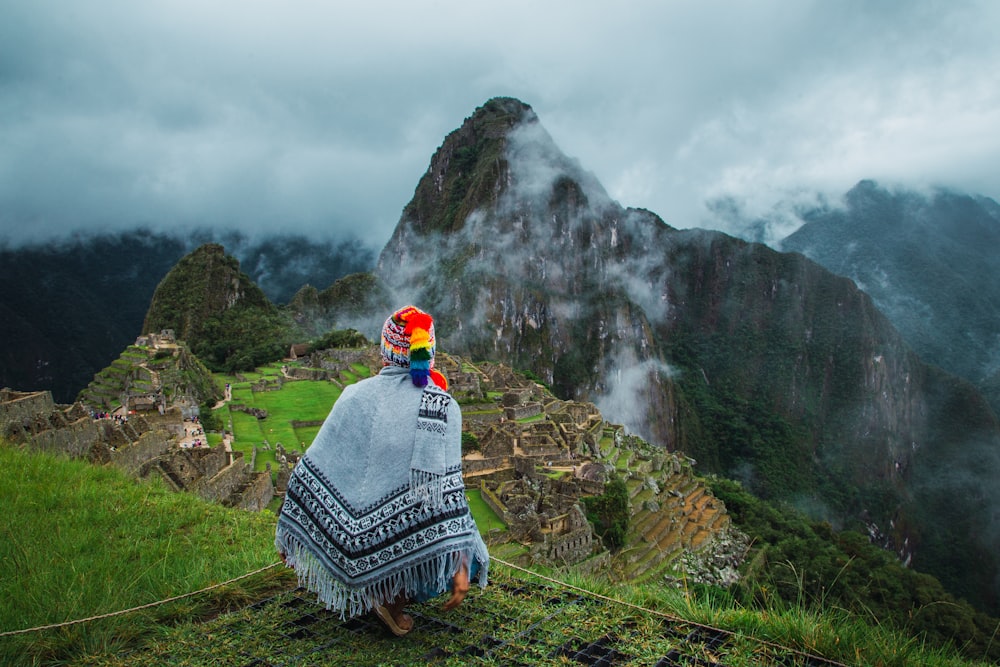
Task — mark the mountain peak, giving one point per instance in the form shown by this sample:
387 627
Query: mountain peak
498 183
224 317
498 108
465 169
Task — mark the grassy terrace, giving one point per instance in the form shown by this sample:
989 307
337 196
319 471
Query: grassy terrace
297 401
486 518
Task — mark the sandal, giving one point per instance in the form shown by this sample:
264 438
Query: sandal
386 616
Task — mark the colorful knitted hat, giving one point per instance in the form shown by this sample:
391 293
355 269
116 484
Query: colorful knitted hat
408 341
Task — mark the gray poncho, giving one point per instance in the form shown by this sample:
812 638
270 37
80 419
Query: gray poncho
376 506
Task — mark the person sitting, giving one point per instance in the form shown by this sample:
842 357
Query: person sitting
375 515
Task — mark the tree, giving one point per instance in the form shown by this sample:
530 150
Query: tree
610 513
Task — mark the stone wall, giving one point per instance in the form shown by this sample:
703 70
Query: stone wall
499 439
215 459
464 382
542 447
490 498
76 439
257 494
259 413
299 373
270 383
572 543
134 456
569 548
21 406
522 411
474 466
479 421
171 421
282 473
222 485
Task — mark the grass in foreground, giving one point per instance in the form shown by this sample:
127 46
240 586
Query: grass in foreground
521 620
79 540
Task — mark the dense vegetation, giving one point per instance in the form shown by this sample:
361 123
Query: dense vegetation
338 338
609 513
240 339
807 564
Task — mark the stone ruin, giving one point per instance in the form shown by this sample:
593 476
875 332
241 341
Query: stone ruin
538 456
545 514
145 378
335 365
142 446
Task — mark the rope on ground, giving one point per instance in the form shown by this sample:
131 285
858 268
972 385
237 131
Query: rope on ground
661 614
139 608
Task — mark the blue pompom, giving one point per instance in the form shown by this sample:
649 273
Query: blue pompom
419 376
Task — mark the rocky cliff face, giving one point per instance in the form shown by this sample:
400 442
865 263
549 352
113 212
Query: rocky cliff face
522 254
762 365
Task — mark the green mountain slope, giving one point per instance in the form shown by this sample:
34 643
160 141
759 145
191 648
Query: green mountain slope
220 313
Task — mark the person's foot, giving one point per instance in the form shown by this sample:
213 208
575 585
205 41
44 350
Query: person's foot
403 620
392 614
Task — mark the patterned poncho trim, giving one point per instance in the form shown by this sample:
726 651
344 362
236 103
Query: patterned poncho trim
408 539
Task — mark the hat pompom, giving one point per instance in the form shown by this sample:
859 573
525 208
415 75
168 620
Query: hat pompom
418 327
408 341
439 379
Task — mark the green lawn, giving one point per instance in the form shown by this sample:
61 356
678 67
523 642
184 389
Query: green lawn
486 518
298 400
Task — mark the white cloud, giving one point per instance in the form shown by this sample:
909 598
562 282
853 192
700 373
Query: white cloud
322 117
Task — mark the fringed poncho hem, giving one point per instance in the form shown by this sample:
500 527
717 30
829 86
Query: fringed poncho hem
435 573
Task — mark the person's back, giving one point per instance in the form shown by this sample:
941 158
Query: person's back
375 513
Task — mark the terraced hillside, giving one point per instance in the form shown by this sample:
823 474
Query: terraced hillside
155 371
677 528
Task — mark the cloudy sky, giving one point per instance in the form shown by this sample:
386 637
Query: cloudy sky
321 116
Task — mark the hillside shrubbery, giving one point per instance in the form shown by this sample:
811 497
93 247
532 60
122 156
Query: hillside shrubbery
609 512
243 339
801 563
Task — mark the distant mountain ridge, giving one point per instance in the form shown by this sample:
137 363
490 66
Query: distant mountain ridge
930 262
68 308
